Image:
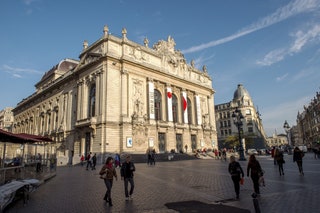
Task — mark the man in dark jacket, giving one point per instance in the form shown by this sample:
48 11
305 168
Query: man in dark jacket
126 171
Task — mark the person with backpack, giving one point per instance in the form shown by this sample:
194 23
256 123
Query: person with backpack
235 171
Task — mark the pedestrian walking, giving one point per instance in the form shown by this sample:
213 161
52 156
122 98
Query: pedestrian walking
297 157
82 160
278 155
315 151
117 160
39 161
153 157
235 171
127 170
94 161
149 152
224 154
107 173
255 171
89 161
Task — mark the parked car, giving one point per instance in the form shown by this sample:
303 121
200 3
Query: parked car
252 151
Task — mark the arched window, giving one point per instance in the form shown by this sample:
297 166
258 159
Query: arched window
157 105
92 101
189 112
174 108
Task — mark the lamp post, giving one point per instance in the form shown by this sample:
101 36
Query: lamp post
237 120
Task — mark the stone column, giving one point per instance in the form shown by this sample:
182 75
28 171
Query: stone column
124 93
198 110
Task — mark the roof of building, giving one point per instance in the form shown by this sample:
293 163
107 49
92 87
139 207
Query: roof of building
240 93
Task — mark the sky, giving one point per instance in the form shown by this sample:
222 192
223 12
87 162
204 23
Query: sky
272 47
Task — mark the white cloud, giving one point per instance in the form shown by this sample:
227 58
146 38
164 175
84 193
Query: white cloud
301 39
17 76
280 78
16 72
293 8
202 60
272 57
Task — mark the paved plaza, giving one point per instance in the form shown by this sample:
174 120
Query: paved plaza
179 186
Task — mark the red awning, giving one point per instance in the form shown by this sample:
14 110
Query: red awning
6 136
34 137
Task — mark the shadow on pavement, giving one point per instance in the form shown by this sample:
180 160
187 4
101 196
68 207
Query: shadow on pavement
197 206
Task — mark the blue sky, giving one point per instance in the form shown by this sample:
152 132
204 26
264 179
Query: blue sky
272 47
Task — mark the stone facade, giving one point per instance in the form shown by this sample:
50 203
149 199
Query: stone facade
122 97
252 127
6 119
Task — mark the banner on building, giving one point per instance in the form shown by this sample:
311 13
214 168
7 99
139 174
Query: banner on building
169 102
151 100
185 107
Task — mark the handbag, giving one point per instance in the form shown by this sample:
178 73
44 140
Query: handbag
261 181
103 176
241 181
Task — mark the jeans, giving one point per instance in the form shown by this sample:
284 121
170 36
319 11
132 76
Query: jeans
108 183
126 181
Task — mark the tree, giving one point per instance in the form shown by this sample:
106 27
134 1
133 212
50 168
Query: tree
231 141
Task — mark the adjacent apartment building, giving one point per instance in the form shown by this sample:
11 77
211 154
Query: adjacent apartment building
6 119
251 130
121 96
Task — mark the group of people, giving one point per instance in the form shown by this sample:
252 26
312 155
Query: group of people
91 161
108 173
151 155
255 171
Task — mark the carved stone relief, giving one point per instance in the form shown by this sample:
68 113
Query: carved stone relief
137 53
140 133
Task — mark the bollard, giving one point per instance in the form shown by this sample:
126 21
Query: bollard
255 203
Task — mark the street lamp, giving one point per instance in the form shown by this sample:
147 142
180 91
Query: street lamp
237 120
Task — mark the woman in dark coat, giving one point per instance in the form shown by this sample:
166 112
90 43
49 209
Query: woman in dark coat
235 171
280 161
297 157
256 172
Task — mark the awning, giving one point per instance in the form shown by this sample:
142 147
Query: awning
6 136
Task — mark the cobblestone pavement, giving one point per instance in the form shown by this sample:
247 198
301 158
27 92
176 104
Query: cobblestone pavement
181 184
